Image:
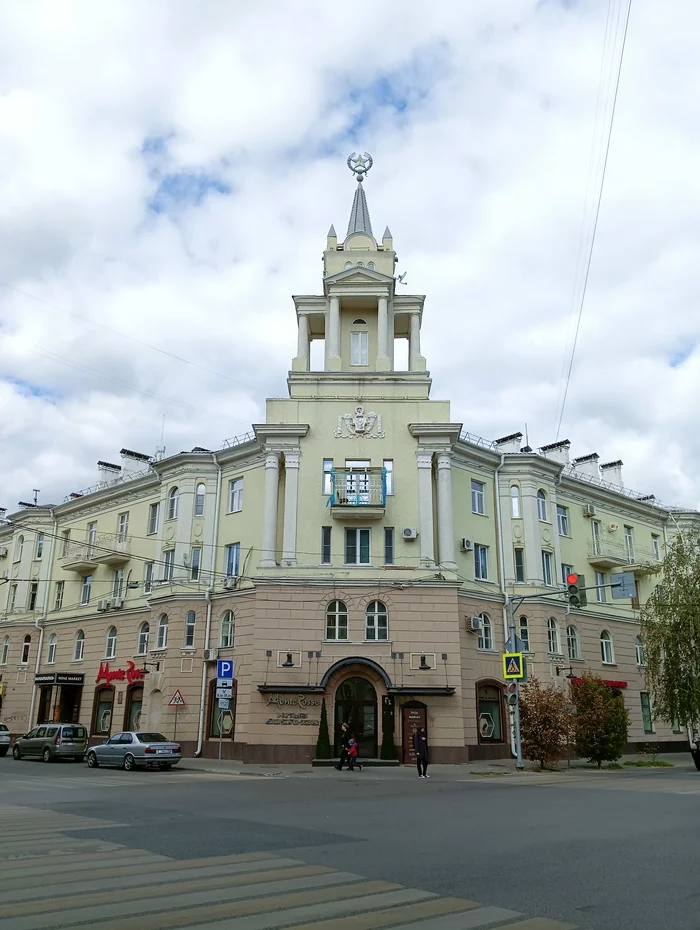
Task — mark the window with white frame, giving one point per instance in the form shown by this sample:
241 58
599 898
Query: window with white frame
563 520
173 503
26 648
162 639
546 567
228 629
640 652
357 546
79 647
519 563
199 496
327 487
484 638
86 590
168 564
19 549
515 509
572 642
478 497
195 562
58 590
359 348
51 651
524 633
33 594
566 570
233 560
326 545
629 543
656 547
542 506
153 514
39 546
235 495
65 542
144 634
552 637
388 465
481 562
5 650
91 533
123 527
190 626
337 620
600 587
388 545
111 643
118 583
376 621
148 578
12 598
606 648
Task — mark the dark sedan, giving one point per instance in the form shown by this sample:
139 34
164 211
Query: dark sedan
132 750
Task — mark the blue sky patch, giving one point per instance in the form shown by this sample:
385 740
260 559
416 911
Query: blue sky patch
680 354
177 186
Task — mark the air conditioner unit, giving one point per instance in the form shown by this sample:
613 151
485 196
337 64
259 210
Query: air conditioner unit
466 545
117 603
589 510
612 527
102 605
210 655
409 532
475 624
3 552
229 583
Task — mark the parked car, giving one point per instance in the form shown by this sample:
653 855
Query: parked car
132 750
4 739
52 741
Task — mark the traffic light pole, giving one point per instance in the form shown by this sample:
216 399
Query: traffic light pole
516 710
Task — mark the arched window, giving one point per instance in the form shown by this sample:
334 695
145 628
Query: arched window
228 630
51 651
606 648
485 637
173 503
79 646
572 643
348 265
640 651
199 500
376 621
552 636
144 632
359 322
5 650
162 640
525 633
111 646
104 704
337 620
370 265
26 646
515 501
190 622
542 505
19 548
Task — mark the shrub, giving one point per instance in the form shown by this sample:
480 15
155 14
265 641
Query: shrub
544 723
601 722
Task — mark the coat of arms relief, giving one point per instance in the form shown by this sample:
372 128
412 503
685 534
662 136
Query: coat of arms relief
359 423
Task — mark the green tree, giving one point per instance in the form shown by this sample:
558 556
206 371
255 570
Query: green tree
670 633
544 723
601 722
323 743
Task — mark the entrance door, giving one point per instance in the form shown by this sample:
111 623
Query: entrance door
69 711
356 705
413 718
44 704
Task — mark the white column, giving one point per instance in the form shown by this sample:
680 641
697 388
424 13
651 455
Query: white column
291 495
383 362
446 536
333 334
303 345
269 530
425 506
414 342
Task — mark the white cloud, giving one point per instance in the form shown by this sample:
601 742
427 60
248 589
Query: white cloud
480 118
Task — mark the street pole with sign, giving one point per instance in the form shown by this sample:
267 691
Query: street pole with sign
516 709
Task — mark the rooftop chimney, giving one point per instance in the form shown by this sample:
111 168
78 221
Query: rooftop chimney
588 465
559 451
509 443
106 472
133 462
612 472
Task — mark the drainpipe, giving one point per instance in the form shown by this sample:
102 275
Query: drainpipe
40 621
207 596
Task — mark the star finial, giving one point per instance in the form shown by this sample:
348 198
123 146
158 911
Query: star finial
360 165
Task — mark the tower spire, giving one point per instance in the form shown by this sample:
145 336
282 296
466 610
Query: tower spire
359 215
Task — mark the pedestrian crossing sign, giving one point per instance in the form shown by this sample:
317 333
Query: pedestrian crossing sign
513 665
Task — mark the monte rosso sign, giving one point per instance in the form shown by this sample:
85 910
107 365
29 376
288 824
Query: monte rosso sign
130 673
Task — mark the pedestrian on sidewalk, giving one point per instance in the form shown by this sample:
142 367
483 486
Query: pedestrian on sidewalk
344 737
420 747
352 754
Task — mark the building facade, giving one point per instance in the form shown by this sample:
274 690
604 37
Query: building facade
356 548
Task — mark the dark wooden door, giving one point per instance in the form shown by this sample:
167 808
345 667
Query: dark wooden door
356 705
413 718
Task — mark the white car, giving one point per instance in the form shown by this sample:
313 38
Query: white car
4 739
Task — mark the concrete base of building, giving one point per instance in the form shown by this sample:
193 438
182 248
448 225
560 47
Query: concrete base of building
370 763
484 752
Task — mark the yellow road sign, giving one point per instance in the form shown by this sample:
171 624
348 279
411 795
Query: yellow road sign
513 665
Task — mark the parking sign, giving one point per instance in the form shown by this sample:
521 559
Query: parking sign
224 670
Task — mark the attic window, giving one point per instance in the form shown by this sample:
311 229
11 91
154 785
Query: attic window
348 264
359 322
370 265
361 264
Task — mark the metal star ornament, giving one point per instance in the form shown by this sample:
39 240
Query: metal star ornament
360 165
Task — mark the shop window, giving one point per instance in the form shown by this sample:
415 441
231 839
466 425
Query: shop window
490 716
104 705
134 705
216 716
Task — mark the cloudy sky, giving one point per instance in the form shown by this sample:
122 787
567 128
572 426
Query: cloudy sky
169 169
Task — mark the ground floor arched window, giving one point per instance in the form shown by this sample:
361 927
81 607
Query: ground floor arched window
489 712
103 708
221 719
134 705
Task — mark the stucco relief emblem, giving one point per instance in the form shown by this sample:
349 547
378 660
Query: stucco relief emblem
359 423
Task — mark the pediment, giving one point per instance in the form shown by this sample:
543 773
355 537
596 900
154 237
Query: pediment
358 275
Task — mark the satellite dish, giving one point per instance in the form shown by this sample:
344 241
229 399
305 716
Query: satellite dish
401 278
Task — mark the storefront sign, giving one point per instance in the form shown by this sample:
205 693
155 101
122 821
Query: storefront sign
293 720
290 700
59 678
45 679
130 673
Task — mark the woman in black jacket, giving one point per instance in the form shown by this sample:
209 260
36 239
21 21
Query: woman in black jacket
420 747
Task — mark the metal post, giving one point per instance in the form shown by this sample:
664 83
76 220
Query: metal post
175 730
221 733
518 742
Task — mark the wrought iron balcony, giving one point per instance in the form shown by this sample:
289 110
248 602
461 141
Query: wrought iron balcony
358 493
105 549
604 553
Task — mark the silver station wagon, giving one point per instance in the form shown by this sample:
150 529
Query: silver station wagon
52 741
132 750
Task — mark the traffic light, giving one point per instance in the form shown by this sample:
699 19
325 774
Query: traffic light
512 696
573 593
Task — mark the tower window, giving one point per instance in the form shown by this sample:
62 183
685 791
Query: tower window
359 322
359 348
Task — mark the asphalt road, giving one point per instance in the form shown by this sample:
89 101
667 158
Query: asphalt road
608 851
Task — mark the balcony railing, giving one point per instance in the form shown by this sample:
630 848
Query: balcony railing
358 487
104 549
611 553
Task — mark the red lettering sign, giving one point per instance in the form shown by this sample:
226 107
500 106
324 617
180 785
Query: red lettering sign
130 673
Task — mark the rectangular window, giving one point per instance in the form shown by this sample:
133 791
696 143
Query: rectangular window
59 588
359 343
389 475
148 578
481 562
519 563
195 563
65 542
655 547
357 548
566 570
235 495
595 536
647 719
478 497
168 564
12 598
233 560
546 567
123 527
629 543
118 583
153 514
388 545
86 590
600 587
328 476
199 500
525 633
326 545
91 534
39 545
563 520
190 623
33 592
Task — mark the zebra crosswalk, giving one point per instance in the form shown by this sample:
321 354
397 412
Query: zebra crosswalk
604 781
107 886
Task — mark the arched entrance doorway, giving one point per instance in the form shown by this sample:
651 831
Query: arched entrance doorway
356 705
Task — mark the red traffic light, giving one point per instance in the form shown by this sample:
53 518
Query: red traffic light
571 578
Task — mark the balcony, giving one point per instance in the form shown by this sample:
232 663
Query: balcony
106 549
358 493
603 553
